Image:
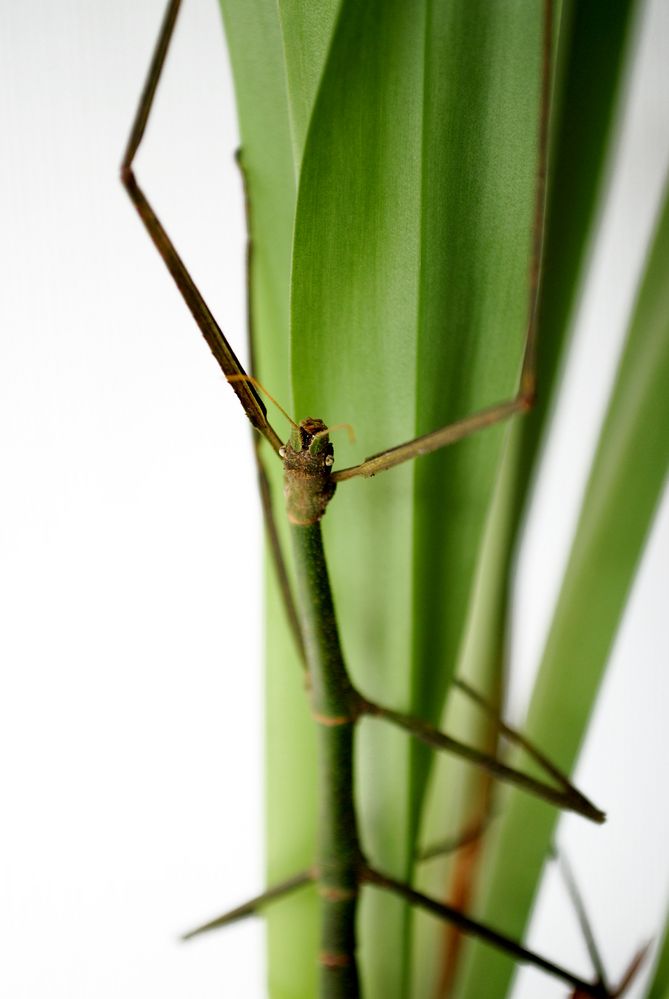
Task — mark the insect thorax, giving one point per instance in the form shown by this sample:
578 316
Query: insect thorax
307 464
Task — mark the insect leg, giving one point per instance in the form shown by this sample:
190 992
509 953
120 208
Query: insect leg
249 908
567 797
264 487
589 937
514 736
481 931
212 333
524 398
470 834
276 553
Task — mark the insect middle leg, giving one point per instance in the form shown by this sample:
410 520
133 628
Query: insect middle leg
525 396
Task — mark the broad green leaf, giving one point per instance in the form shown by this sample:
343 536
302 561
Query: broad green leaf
415 133
307 30
409 298
589 64
627 476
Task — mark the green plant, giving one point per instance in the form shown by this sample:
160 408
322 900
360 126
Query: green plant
390 156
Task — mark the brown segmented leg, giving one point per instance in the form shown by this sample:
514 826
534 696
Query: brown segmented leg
211 331
524 398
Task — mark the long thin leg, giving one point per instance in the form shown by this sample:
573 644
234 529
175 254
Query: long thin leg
274 541
582 917
524 399
481 932
471 834
249 908
630 973
276 551
589 936
513 736
214 336
568 798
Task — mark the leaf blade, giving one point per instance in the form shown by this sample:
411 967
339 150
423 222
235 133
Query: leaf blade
361 237
255 43
625 483
589 71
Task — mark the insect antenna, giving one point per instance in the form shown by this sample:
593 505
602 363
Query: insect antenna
339 426
261 388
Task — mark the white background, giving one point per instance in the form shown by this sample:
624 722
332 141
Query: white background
130 781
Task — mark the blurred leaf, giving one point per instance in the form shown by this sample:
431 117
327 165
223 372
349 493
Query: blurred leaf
412 130
256 48
409 299
626 480
589 68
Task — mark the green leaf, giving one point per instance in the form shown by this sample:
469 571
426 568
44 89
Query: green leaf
409 298
590 62
626 479
412 130
307 29
256 48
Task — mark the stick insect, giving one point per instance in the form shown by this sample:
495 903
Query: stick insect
341 869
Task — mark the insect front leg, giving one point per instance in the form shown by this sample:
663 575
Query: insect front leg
211 331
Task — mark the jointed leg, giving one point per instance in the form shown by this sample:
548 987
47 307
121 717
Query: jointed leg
516 737
473 928
589 937
274 541
256 412
568 797
482 932
254 904
253 405
524 398
214 336
471 834
277 556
